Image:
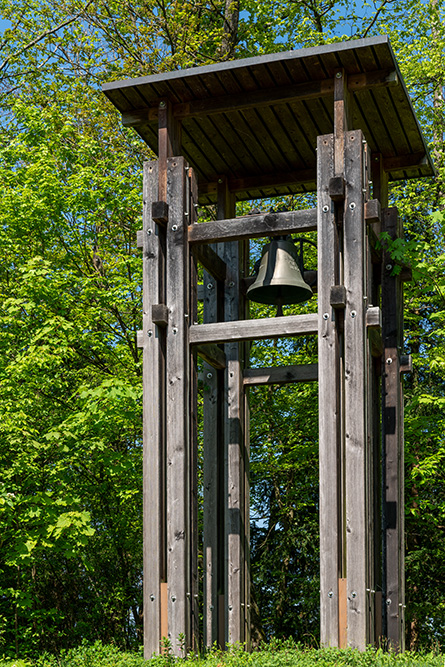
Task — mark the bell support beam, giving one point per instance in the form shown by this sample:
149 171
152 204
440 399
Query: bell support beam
254 226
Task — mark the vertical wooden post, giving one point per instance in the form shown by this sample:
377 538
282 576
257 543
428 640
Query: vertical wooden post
235 451
178 408
329 399
393 465
213 474
153 418
190 316
355 384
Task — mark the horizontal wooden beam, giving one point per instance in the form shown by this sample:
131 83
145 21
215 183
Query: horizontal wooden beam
263 98
211 261
304 178
405 161
213 354
268 327
254 226
280 374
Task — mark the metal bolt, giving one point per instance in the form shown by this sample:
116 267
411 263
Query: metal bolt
211 607
325 316
389 361
150 333
149 231
388 602
231 284
162 105
325 209
353 594
186 213
353 313
196 596
175 330
230 607
220 180
338 75
209 285
173 598
152 597
209 375
352 206
175 228
330 594
388 267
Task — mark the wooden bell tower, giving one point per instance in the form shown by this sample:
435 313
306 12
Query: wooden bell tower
337 120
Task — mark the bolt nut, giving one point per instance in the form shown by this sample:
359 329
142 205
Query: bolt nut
149 232
174 228
353 313
211 607
389 361
230 607
150 333
152 597
325 208
388 267
162 105
175 330
352 205
209 375
231 284
325 316
209 286
330 594
388 602
353 594
338 75
173 598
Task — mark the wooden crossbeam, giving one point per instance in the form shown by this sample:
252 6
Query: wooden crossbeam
254 226
211 261
280 374
263 98
213 354
267 327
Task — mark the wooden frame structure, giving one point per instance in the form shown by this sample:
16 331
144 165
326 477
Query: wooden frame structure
335 119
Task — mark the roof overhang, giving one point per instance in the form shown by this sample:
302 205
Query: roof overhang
256 120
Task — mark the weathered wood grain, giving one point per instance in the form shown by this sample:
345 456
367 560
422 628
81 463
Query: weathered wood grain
254 226
153 418
273 327
393 454
355 383
329 399
177 410
211 261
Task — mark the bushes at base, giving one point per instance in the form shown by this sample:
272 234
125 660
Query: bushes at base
276 654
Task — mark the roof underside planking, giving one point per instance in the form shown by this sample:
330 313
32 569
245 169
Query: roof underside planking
256 120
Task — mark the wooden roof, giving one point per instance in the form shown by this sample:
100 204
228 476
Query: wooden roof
256 120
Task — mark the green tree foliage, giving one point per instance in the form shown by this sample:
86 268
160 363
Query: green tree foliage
70 276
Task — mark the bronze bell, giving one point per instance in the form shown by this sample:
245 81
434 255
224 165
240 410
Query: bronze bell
279 275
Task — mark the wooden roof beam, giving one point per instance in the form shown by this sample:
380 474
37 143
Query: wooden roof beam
263 98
